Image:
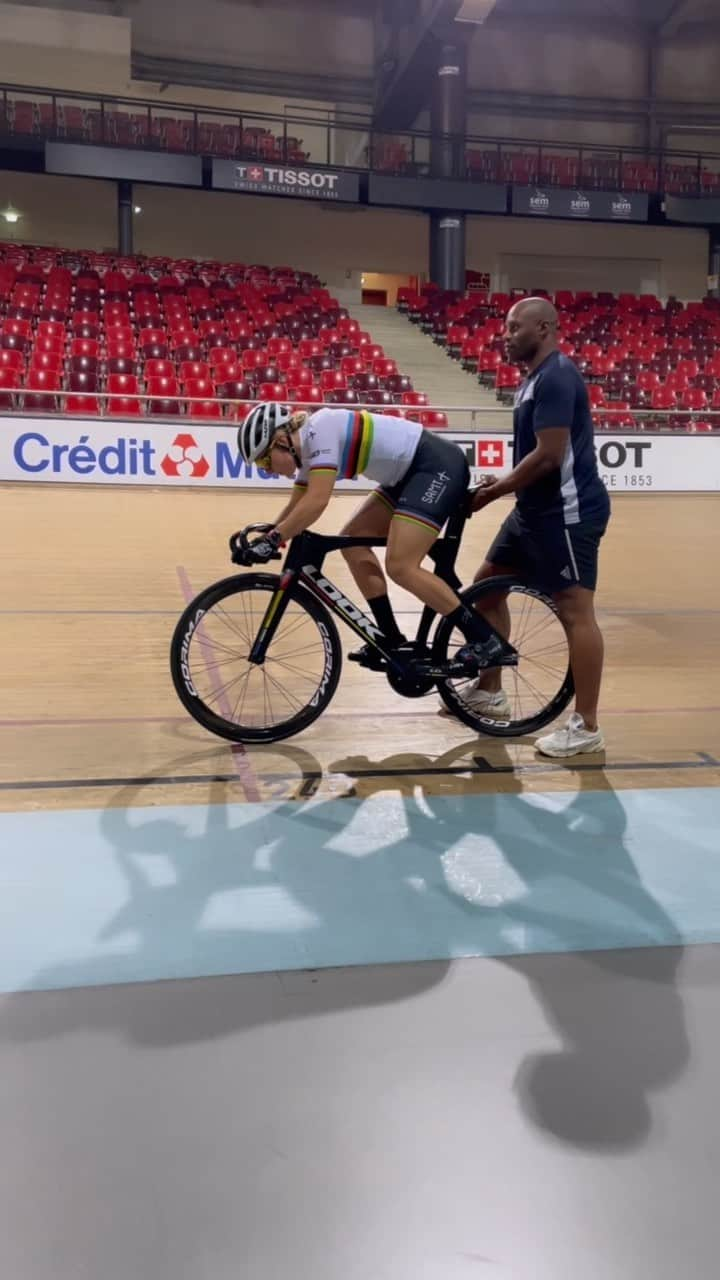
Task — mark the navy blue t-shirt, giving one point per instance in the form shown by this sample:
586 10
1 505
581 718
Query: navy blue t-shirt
555 395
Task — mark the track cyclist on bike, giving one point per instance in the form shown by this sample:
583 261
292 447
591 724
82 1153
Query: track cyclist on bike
422 480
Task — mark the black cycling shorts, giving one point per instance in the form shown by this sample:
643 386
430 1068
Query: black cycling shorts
433 487
548 553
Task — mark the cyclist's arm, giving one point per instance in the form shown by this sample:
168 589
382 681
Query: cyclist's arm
309 506
297 493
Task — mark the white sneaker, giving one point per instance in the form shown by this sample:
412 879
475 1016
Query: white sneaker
572 740
495 705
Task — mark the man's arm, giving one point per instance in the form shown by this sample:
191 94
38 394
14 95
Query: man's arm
554 408
547 456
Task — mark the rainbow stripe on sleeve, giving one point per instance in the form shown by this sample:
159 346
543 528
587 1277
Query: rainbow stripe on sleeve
358 445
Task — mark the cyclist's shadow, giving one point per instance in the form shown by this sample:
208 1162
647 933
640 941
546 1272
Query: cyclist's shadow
172 875
358 871
627 1042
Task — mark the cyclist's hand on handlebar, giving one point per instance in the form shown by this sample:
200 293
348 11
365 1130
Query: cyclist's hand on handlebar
244 552
267 547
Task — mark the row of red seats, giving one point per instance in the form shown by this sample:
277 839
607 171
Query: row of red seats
207 329
596 171
23 117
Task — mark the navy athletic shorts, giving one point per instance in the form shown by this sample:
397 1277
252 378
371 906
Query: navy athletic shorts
433 487
548 553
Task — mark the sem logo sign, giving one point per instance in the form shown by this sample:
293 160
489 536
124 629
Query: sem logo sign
580 205
621 207
185 459
540 202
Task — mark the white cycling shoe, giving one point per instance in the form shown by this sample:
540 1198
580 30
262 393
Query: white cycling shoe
572 740
495 705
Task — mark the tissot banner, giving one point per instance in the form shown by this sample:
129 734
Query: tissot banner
561 202
284 180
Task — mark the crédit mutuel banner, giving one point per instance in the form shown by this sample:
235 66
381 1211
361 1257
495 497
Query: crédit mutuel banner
310 183
67 451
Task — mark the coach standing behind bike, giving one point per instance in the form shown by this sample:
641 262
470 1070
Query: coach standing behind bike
552 537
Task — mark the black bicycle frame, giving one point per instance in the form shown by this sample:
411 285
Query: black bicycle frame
304 562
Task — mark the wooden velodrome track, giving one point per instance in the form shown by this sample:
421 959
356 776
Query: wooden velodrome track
93 584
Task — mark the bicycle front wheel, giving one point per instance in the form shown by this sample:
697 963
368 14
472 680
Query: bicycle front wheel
242 701
540 687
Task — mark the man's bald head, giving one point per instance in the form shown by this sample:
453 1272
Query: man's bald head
531 330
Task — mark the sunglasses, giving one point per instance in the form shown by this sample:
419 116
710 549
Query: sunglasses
265 462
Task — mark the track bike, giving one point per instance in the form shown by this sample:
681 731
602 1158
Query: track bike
257 656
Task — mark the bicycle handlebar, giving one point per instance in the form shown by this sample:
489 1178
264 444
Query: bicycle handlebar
241 549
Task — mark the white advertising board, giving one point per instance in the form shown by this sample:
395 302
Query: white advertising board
78 451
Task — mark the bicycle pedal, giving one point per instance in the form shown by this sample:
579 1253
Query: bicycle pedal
370 660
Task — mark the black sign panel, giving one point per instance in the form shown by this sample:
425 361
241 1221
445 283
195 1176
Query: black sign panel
134 165
281 180
700 210
434 193
559 202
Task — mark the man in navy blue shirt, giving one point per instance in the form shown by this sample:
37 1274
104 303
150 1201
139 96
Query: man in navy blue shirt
552 537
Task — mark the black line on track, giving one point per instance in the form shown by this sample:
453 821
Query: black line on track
480 767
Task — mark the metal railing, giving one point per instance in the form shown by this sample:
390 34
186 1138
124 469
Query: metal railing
497 418
31 115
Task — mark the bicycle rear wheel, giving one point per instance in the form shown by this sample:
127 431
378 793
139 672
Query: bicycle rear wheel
242 701
540 687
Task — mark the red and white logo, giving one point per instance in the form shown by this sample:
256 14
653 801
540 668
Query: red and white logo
490 453
255 173
184 459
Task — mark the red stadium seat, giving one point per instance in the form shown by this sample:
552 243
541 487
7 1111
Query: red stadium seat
204 409
51 360
89 406
193 369
11 359
433 419
39 385
333 380
124 407
122 384
9 382
272 391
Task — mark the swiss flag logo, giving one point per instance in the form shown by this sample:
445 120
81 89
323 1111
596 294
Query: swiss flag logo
255 173
491 453
184 459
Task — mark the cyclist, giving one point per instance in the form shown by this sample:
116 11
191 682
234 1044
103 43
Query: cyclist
422 480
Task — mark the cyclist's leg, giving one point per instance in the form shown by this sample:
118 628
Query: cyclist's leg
372 520
506 556
409 541
432 491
